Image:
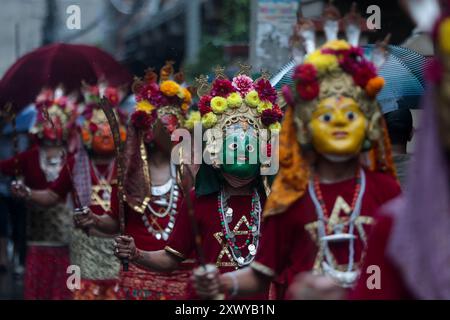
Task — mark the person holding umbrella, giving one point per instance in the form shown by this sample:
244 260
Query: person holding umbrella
48 227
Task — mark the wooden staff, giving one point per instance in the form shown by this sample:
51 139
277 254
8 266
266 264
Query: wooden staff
115 130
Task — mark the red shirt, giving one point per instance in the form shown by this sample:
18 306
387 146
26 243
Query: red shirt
134 225
289 244
28 165
392 285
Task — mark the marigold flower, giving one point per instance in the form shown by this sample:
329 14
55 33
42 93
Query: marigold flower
169 88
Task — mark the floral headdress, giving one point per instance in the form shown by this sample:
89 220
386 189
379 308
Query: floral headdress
92 113
228 101
337 68
167 100
169 96
56 117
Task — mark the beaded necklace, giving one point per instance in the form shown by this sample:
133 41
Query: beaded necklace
252 240
347 278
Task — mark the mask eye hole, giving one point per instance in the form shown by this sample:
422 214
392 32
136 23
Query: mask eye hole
233 146
250 148
326 117
351 115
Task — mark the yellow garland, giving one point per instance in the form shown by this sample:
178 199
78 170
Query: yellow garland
264 105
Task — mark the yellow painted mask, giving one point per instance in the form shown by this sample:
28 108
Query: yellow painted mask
338 127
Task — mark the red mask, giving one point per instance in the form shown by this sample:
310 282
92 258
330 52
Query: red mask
103 141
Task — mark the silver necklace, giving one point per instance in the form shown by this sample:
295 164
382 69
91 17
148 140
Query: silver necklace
230 236
344 278
160 195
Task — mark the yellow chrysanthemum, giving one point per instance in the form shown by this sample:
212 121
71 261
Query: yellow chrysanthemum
275 126
192 119
145 106
337 45
187 95
219 104
264 105
234 100
209 120
169 88
323 62
252 99
444 36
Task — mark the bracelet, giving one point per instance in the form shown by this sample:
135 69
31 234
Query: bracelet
29 192
234 280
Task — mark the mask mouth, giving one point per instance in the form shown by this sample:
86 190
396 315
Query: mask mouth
340 134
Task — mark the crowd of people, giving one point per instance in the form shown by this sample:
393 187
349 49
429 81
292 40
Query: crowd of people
112 198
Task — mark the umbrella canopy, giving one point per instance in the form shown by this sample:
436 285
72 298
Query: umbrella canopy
403 72
58 64
24 120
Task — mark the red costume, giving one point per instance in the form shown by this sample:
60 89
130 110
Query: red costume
215 246
47 234
289 241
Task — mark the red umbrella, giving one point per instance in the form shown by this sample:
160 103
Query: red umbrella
56 64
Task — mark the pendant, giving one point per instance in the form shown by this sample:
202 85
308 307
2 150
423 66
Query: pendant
240 260
229 215
158 236
106 196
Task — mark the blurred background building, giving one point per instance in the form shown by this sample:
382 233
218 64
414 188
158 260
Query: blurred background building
197 34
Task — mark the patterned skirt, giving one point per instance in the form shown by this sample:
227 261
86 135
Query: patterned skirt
46 273
139 284
97 290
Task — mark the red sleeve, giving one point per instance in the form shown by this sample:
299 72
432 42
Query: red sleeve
271 255
114 212
8 167
391 285
181 242
63 184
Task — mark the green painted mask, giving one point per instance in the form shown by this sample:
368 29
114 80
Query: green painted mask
240 153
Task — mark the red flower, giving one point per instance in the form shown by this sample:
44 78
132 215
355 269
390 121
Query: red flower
222 88
204 105
265 91
93 127
142 120
308 91
363 73
270 116
112 95
305 73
